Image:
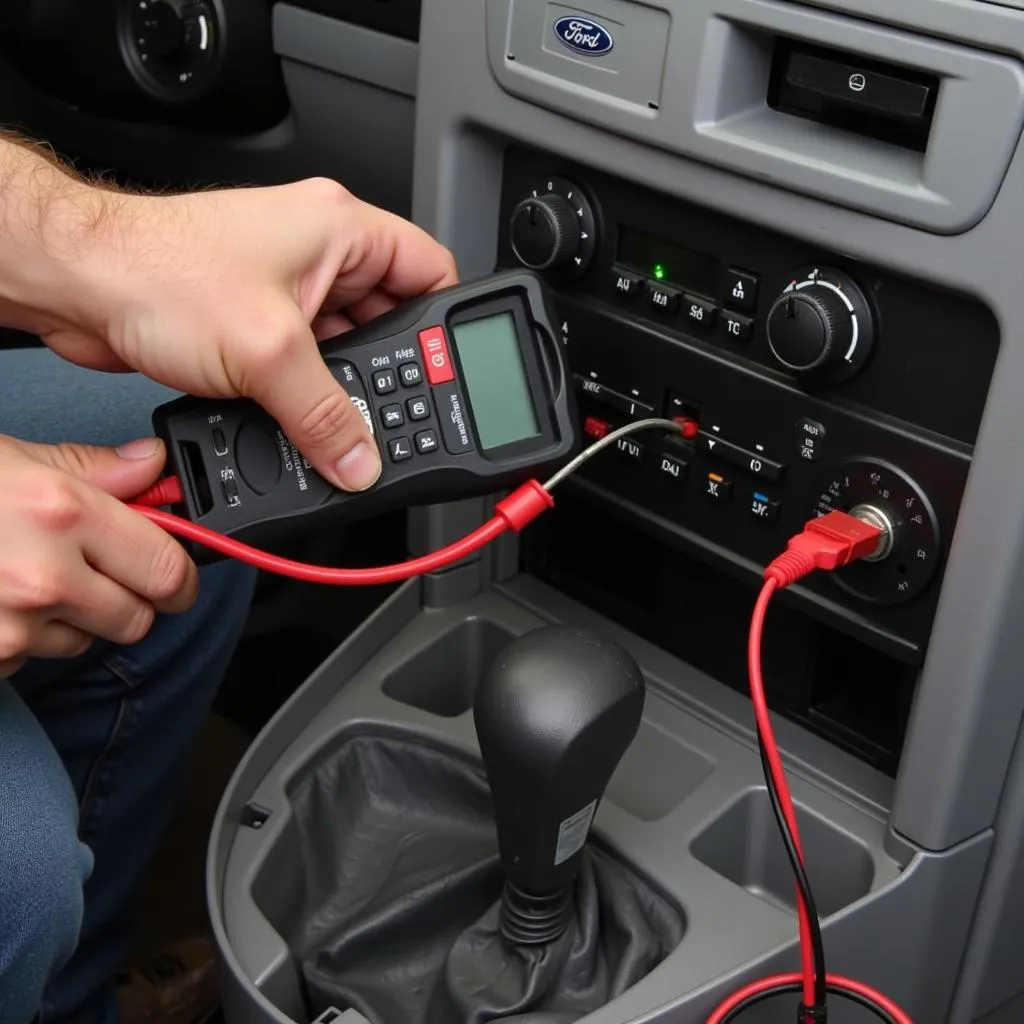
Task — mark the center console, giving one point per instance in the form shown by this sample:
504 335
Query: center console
792 228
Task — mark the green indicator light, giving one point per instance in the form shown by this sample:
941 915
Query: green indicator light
659 272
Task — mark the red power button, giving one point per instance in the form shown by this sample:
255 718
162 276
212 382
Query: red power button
434 346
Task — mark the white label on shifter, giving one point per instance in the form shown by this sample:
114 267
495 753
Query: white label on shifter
573 832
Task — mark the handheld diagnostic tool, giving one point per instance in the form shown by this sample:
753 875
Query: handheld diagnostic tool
466 392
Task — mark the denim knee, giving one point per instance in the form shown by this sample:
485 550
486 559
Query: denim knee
43 866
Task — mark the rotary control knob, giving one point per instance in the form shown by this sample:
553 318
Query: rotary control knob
821 325
553 229
170 46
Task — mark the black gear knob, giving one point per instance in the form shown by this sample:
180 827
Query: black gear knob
554 717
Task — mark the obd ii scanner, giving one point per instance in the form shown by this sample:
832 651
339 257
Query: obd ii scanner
466 392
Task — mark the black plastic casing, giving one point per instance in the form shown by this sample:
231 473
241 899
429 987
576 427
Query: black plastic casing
243 478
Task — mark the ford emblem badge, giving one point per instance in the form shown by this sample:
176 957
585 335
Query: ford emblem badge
584 36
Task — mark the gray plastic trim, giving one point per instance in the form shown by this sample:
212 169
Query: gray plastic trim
969 703
345 49
707 772
713 106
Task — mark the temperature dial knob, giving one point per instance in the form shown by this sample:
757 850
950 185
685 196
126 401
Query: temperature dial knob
553 229
821 324
909 550
171 47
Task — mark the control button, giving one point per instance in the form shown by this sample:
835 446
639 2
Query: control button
664 300
383 382
717 487
434 346
595 428
753 462
629 404
672 468
631 449
426 441
392 416
699 313
741 290
734 327
625 285
453 417
400 449
849 85
410 374
419 408
231 491
764 508
811 437
220 444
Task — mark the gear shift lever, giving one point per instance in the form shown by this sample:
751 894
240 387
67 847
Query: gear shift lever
554 717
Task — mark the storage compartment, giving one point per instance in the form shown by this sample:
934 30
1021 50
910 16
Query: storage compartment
744 845
442 679
835 685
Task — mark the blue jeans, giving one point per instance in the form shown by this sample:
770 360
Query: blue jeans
92 750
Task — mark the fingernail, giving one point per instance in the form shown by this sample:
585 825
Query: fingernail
144 448
359 468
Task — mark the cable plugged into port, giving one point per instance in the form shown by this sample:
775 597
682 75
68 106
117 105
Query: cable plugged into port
830 542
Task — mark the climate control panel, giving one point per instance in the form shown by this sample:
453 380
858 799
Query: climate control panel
803 381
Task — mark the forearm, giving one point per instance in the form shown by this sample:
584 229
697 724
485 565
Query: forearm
52 223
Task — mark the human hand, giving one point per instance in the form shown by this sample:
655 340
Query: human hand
227 293
75 562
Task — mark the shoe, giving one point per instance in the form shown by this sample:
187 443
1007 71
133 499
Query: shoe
178 985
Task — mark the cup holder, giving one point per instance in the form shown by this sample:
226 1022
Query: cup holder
442 679
744 846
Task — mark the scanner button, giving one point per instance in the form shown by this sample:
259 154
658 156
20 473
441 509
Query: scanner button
419 408
399 449
426 441
434 346
231 491
392 416
410 374
383 382
220 444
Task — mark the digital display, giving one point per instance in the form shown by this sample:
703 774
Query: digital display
494 378
665 261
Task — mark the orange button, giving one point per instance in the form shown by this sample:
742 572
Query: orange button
437 360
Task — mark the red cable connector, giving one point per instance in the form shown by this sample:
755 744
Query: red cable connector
164 492
827 543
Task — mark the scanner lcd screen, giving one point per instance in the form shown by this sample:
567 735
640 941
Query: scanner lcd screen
494 378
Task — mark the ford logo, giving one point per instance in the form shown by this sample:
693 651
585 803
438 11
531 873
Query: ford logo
584 36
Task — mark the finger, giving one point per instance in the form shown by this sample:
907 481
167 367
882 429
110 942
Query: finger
9 667
371 306
84 350
298 390
135 553
330 326
122 472
98 605
390 253
59 640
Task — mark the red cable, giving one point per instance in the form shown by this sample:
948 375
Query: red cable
825 543
521 507
784 980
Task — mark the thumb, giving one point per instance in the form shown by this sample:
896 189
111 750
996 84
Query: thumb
317 415
122 472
